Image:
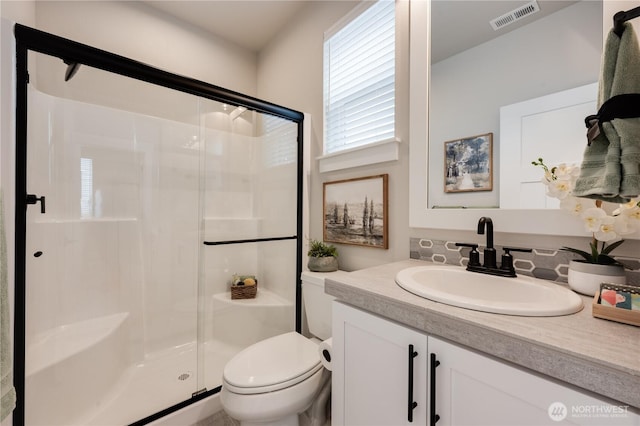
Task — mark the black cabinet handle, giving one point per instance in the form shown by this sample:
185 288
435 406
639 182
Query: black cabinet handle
33 198
433 417
411 403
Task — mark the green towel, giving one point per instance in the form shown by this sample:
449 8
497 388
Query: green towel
7 392
610 169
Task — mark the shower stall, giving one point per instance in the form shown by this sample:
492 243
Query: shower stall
139 195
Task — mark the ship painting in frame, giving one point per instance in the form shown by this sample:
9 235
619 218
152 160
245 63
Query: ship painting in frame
468 164
355 211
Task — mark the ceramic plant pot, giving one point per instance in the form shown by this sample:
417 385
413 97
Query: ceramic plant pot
585 278
323 264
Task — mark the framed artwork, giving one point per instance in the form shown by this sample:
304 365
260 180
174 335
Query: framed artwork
355 211
468 164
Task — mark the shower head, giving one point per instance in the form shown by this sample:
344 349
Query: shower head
72 69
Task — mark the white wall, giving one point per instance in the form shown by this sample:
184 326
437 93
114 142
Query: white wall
140 32
611 7
22 11
290 73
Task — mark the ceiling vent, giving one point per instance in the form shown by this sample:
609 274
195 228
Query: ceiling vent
515 15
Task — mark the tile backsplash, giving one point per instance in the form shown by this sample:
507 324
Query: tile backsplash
540 263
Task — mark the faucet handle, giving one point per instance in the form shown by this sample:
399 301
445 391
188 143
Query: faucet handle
472 245
474 255
510 249
507 259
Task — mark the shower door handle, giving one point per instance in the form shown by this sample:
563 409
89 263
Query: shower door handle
33 198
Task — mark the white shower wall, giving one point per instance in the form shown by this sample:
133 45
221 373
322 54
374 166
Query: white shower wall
137 247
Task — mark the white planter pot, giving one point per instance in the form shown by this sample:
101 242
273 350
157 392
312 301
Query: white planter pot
586 278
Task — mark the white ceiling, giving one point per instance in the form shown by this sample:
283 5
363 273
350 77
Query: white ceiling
457 24
247 23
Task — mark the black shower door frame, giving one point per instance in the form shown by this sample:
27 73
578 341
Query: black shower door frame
30 39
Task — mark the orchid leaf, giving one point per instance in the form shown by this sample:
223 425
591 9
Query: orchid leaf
599 257
604 259
612 247
594 251
582 253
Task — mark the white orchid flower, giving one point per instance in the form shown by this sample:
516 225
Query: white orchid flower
632 204
623 226
631 213
600 219
607 230
565 171
593 218
547 177
560 188
576 206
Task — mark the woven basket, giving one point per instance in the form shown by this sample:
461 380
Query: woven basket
244 291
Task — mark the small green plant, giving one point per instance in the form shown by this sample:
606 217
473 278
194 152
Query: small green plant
320 249
600 257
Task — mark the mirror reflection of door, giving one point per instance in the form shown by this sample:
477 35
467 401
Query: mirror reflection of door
551 126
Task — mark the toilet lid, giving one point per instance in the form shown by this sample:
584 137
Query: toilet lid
272 364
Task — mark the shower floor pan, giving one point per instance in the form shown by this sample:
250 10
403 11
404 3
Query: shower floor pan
163 380
104 393
81 374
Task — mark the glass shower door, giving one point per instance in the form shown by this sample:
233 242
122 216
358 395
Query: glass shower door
152 200
112 264
249 226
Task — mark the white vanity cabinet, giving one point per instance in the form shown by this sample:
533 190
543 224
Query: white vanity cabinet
371 384
376 376
474 389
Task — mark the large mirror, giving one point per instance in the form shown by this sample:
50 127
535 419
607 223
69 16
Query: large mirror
475 72
556 46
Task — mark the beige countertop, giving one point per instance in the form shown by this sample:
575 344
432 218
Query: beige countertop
594 354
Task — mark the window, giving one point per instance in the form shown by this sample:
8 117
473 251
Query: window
280 139
86 188
359 79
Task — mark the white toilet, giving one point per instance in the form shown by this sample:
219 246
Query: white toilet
271 382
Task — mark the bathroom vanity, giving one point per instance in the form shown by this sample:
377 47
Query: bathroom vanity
397 355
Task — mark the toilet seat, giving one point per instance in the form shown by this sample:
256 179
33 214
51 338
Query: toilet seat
272 364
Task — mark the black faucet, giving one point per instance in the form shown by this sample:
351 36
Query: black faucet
489 251
489 265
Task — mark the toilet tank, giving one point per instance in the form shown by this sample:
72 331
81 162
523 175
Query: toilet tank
317 303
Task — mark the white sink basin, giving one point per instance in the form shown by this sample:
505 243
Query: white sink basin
453 285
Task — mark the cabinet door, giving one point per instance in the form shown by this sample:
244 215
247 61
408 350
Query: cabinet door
473 389
375 376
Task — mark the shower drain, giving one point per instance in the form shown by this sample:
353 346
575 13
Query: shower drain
184 376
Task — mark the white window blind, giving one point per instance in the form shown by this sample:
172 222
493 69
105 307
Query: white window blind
359 80
280 141
86 188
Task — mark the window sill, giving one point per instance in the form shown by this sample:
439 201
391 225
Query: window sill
361 156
